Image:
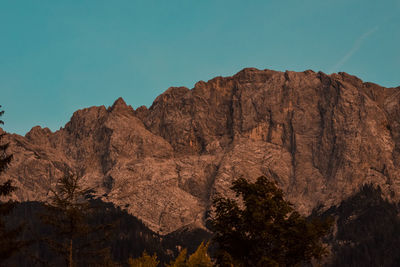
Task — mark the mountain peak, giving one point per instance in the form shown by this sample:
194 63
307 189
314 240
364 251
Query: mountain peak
38 135
119 102
120 106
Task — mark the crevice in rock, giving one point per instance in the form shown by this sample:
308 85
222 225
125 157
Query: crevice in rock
108 183
271 125
292 143
234 107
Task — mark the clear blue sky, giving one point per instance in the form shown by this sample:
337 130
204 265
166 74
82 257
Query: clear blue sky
60 56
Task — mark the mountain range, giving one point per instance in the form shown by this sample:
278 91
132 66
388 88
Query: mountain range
320 137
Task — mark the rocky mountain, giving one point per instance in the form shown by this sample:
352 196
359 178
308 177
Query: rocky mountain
320 137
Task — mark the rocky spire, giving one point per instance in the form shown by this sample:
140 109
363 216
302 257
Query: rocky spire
120 106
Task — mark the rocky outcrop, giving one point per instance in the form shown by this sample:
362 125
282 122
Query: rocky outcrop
320 137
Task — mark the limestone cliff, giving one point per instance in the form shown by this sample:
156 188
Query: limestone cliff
319 136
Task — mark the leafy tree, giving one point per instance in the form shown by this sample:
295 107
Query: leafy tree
264 229
68 212
144 261
8 237
199 258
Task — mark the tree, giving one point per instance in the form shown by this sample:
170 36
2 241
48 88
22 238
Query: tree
9 243
4 159
264 229
144 261
180 261
68 213
367 229
199 258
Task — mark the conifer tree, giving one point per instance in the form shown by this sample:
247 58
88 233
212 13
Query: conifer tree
180 261
4 160
9 243
200 257
68 211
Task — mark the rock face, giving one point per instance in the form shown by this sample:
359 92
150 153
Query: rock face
320 137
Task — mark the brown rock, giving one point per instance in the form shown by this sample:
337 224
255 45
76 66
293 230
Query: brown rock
319 136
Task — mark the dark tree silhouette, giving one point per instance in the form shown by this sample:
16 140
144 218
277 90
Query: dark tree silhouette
4 160
368 230
9 243
264 230
73 237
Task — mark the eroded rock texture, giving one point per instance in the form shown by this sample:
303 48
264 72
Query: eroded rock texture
319 136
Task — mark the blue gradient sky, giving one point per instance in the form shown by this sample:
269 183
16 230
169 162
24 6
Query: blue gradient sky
60 56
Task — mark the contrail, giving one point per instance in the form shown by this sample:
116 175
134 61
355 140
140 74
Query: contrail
354 49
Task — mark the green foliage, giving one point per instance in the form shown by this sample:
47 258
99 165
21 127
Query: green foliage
265 230
144 261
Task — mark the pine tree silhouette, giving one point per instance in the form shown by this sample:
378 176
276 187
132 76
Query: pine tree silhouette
9 243
73 237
